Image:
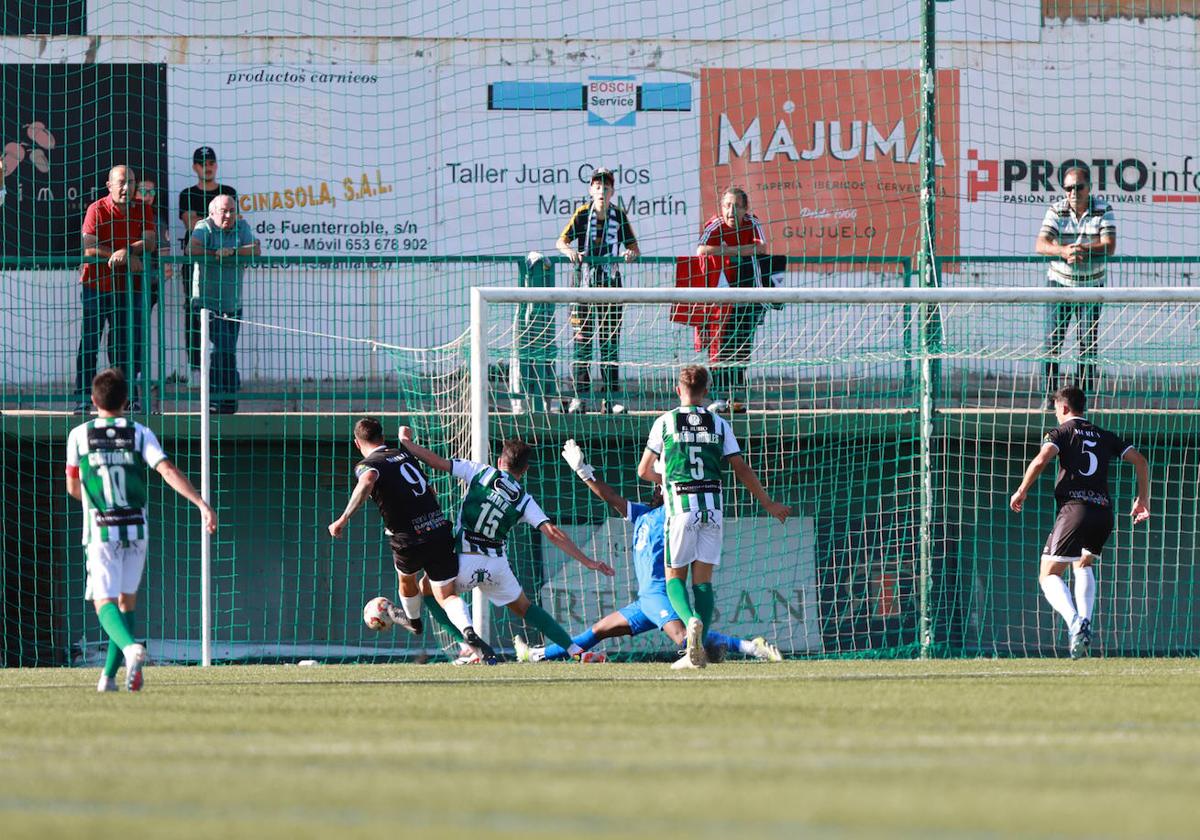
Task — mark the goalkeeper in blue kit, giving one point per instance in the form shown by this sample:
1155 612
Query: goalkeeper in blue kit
652 609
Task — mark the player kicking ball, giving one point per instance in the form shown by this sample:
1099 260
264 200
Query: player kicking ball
694 445
107 462
652 609
493 503
418 532
1085 512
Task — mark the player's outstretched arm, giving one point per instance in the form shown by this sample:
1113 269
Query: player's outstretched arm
1141 505
575 459
426 456
556 536
1039 463
749 479
366 483
646 467
180 484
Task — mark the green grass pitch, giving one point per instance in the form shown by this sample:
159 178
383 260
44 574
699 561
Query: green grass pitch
1042 748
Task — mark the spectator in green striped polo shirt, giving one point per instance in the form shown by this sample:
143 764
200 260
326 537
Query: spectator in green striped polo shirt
1079 231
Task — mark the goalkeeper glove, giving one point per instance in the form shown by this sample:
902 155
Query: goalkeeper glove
573 455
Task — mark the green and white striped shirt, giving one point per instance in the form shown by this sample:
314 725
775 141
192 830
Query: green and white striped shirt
112 456
692 443
493 503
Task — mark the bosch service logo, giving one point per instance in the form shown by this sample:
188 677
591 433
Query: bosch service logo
1126 179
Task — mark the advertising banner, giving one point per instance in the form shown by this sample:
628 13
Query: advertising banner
830 158
1019 141
770 591
326 160
64 126
518 150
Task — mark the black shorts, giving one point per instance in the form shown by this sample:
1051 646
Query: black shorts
436 557
1079 527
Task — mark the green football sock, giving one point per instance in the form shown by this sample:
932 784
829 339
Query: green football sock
677 594
115 657
439 615
114 625
703 594
550 628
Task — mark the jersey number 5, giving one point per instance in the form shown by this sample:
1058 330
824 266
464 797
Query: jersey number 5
1093 461
697 464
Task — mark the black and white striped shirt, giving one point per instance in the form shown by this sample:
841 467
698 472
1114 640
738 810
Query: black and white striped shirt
1065 228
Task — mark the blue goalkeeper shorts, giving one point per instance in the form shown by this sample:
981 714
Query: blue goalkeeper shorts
649 612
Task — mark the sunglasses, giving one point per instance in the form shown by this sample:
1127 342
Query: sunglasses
1074 187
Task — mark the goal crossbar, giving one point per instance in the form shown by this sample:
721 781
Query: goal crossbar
483 297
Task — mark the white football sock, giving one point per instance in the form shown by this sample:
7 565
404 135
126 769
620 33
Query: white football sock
412 605
574 650
746 646
1056 592
456 608
1085 592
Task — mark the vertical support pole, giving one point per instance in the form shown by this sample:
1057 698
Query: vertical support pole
930 326
479 427
206 494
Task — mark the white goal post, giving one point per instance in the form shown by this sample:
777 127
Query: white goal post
925 352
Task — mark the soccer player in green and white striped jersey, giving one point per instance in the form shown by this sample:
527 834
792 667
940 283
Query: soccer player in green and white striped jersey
107 464
494 502
693 446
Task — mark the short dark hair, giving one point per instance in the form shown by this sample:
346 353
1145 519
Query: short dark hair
110 390
694 379
603 175
1074 397
369 430
516 454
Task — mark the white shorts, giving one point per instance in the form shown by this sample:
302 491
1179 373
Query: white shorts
114 569
492 575
694 536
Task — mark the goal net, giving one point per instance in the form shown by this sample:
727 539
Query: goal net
896 423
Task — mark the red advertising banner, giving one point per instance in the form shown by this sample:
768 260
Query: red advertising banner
830 158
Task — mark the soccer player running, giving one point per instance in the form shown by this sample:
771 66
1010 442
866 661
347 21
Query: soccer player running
652 609
493 503
107 462
694 444
418 531
1085 514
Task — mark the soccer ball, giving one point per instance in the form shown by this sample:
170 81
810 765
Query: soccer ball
377 614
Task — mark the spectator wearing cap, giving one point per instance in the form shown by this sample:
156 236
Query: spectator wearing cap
599 229
221 239
193 209
118 229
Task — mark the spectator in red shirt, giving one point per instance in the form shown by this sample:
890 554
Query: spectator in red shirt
118 228
734 237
